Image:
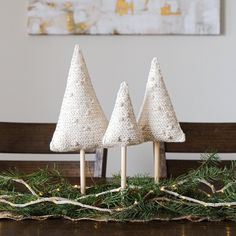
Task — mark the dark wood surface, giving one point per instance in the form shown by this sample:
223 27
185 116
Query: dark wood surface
26 137
178 167
86 228
66 168
202 137
35 138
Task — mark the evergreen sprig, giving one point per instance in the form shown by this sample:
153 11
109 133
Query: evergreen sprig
207 193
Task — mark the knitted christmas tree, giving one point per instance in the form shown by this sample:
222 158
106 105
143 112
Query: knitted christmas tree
82 122
123 129
157 118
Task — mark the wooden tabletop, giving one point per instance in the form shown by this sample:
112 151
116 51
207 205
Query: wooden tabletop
84 228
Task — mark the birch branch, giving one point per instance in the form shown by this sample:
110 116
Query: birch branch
225 204
10 196
226 187
21 181
99 194
55 200
211 186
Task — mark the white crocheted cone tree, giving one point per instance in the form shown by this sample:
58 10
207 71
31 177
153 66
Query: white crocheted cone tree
123 129
82 122
157 118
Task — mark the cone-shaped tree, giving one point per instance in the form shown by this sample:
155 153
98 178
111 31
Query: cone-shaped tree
157 118
122 129
82 122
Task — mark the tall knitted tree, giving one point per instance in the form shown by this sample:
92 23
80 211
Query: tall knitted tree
123 129
82 122
157 118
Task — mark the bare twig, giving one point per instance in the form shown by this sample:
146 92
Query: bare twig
226 187
21 181
99 194
12 216
136 203
211 186
10 196
57 201
226 204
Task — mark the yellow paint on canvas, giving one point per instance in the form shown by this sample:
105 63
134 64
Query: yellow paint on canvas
70 21
123 7
82 27
43 27
166 11
68 8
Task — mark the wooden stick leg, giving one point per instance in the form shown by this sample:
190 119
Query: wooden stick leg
123 166
82 172
157 160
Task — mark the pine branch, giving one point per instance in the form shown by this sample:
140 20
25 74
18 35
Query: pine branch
185 197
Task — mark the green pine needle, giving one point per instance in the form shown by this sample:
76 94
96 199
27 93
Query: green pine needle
142 200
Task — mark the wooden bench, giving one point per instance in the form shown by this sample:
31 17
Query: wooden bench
201 138
34 138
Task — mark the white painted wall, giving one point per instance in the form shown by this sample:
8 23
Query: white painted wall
200 73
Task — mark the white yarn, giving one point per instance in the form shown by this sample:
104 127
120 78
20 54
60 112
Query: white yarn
82 122
123 128
157 118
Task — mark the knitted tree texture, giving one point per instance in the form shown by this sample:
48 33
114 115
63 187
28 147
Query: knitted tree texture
82 122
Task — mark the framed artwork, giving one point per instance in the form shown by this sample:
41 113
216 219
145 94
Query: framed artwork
118 17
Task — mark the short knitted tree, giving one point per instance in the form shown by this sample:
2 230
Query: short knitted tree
157 118
82 122
123 129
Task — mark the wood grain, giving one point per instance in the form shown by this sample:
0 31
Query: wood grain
179 167
66 168
59 227
34 138
202 137
27 138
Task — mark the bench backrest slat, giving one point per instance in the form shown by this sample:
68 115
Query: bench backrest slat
202 137
34 138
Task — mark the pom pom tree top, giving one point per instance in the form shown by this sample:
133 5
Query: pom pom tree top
122 129
157 118
82 122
